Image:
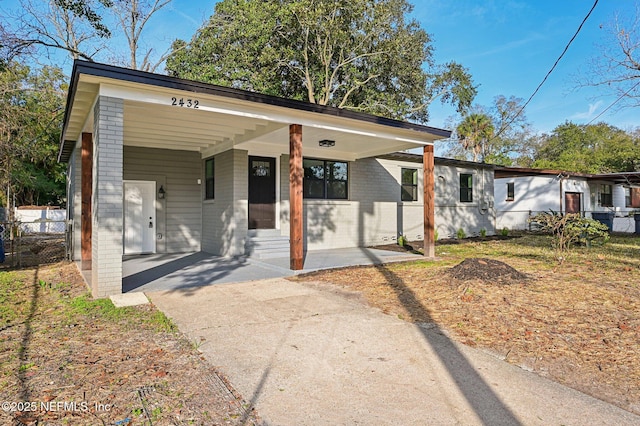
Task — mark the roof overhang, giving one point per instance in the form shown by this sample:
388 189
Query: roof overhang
621 178
417 158
170 113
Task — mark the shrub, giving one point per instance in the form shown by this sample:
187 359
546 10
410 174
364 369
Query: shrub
571 229
504 232
461 234
483 232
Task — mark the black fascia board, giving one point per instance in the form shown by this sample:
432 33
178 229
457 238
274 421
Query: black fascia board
169 82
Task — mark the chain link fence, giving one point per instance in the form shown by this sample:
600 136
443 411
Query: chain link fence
35 243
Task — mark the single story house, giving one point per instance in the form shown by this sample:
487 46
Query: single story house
158 164
521 192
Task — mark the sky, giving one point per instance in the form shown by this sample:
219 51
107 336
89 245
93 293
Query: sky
508 46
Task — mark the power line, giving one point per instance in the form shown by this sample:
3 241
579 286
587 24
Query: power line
503 128
614 102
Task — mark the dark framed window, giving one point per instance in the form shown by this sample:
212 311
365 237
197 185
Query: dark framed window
510 191
208 179
627 197
409 185
325 179
606 196
466 188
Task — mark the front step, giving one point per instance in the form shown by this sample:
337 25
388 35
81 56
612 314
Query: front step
266 244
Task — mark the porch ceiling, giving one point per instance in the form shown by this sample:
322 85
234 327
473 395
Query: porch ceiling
226 119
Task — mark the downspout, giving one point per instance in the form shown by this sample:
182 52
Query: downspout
560 209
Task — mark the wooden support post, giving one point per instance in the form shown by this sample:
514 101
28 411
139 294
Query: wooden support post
429 201
296 253
86 195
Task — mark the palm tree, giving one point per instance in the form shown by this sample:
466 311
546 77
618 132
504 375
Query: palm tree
474 132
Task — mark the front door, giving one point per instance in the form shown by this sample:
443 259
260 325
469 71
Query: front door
572 202
139 217
262 193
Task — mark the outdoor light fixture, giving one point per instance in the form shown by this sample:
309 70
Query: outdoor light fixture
161 193
326 143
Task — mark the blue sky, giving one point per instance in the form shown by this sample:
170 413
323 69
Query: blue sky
507 45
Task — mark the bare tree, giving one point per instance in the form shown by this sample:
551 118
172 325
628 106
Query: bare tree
132 16
616 65
51 26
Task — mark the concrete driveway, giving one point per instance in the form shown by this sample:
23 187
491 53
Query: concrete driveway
312 354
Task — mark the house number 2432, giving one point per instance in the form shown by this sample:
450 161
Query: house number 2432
188 103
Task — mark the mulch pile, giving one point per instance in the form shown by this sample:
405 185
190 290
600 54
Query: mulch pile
487 270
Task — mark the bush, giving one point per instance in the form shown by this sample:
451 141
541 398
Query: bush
461 234
504 232
483 232
571 229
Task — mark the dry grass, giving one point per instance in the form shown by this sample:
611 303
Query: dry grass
577 323
104 365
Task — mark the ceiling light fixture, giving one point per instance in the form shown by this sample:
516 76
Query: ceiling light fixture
326 143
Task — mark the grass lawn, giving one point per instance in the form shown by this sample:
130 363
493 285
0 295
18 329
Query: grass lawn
577 322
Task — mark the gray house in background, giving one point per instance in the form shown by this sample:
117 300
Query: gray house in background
158 164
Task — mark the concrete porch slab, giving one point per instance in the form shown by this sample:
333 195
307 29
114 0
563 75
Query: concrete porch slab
157 272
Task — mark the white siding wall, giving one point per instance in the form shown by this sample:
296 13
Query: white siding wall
179 215
535 194
74 199
225 219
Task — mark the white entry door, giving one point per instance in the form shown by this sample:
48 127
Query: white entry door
139 217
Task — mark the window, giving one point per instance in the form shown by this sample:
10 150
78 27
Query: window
510 191
325 179
627 197
466 188
208 179
606 197
409 185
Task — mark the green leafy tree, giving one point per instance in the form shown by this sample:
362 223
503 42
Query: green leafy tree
30 117
474 131
363 55
596 148
510 142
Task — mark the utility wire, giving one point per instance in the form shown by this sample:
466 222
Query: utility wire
504 127
614 102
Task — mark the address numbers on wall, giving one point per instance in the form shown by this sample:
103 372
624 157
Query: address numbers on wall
185 103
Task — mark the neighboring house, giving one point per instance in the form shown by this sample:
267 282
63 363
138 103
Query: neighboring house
521 192
158 164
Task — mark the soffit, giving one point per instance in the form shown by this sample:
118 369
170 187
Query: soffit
219 123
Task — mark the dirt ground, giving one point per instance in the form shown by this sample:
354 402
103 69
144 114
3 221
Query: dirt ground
67 359
576 323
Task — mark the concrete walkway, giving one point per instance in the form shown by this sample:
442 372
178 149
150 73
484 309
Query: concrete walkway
306 354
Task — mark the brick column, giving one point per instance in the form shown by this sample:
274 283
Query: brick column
107 209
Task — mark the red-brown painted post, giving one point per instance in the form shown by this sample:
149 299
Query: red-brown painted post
296 253
429 201
86 195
